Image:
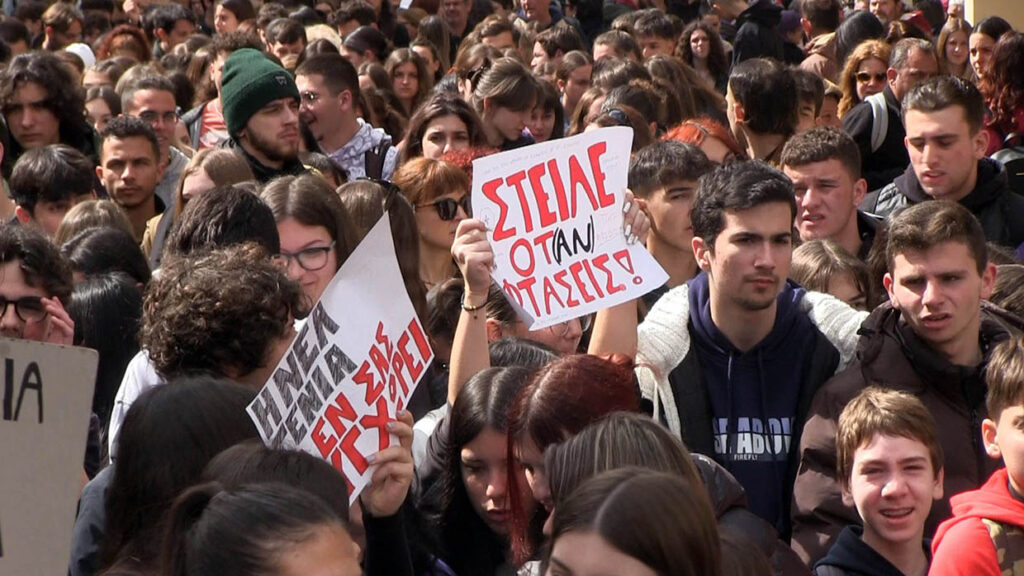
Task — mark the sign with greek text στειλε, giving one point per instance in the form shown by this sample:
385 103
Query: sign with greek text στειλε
554 218
352 367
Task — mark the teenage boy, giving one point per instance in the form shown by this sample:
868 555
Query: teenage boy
985 536
663 177
932 340
731 360
47 182
824 165
944 119
890 468
762 107
656 34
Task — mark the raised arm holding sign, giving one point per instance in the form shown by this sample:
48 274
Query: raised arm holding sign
351 369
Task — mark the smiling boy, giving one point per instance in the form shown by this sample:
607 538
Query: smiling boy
932 339
890 469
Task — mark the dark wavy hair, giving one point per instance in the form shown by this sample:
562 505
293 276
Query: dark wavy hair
718 65
1003 85
219 311
63 98
103 51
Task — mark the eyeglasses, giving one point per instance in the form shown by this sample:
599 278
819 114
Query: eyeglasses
151 117
309 259
448 208
585 323
865 77
28 308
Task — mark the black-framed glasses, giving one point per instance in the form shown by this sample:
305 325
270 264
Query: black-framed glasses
865 77
309 259
448 208
28 308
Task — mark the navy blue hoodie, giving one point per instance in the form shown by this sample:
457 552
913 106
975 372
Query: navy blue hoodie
754 396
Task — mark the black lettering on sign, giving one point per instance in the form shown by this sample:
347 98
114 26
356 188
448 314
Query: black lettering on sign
31 381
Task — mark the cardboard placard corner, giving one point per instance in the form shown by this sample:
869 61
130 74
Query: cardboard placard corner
45 406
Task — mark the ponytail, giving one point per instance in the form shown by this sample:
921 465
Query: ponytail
185 513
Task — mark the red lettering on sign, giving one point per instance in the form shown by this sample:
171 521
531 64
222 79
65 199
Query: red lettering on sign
601 263
594 152
570 300
547 217
522 246
364 377
378 420
575 269
490 191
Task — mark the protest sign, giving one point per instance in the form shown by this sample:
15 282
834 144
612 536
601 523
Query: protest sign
353 365
46 394
554 218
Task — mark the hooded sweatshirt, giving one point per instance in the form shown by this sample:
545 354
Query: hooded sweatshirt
851 556
754 395
821 57
962 544
1000 211
757 32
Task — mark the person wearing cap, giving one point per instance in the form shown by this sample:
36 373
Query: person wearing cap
792 37
261 111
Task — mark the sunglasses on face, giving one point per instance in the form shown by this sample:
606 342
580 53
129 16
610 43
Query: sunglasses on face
865 77
448 208
28 308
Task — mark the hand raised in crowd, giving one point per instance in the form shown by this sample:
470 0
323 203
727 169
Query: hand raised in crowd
392 477
473 254
56 328
635 224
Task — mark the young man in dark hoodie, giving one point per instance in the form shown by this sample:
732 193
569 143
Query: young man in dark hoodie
932 339
261 109
890 468
731 359
943 118
757 23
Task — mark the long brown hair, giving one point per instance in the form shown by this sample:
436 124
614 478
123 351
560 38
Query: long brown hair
848 77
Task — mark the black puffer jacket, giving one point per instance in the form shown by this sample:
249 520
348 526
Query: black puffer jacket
757 33
1000 211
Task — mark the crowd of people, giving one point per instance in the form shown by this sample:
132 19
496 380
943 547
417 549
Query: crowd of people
831 381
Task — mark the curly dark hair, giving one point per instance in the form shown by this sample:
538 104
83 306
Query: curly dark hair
40 261
718 64
218 311
1003 84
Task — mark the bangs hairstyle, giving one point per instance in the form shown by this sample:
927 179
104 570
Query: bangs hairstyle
887 412
440 106
923 226
1004 376
664 163
310 201
822 144
422 180
817 262
508 84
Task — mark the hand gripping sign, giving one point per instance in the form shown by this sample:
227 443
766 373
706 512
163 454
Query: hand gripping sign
352 367
553 213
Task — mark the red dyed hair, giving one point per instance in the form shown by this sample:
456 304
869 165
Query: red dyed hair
696 130
563 398
464 158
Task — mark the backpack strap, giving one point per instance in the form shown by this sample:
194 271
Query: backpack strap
373 160
1009 542
879 119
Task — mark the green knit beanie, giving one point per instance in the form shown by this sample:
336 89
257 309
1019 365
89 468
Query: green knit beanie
249 82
